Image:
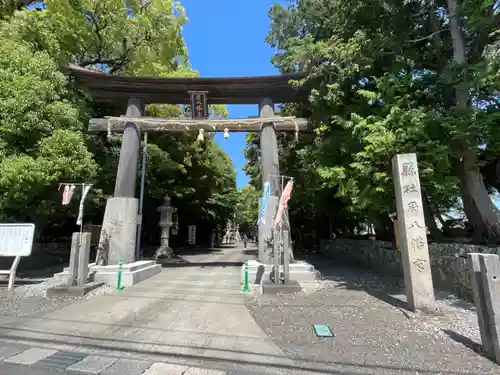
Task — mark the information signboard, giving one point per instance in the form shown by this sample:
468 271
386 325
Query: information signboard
16 240
192 234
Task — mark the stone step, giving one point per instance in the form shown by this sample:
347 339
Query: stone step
132 273
258 272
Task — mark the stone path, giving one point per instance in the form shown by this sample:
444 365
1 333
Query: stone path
43 360
192 316
194 319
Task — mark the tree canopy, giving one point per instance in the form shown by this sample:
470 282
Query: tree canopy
44 116
247 209
390 77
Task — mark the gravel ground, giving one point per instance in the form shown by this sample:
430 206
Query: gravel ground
374 333
30 299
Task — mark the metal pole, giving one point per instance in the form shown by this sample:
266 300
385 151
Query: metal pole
119 276
245 286
12 272
141 197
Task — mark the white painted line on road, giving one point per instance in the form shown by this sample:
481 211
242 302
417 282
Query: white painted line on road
127 367
30 356
160 368
203 371
9 351
93 364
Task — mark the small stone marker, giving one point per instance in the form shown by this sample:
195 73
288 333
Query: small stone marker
483 316
490 270
413 233
79 258
73 259
83 258
322 330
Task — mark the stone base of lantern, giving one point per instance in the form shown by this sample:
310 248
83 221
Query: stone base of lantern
132 273
164 252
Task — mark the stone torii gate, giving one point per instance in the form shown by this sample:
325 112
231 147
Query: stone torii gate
121 215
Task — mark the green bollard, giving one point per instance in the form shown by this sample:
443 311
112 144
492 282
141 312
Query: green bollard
245 287
119 278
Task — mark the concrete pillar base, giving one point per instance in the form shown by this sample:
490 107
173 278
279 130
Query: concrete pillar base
132 273
120 226
258 272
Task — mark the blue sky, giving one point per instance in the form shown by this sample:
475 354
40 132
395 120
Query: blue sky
225 38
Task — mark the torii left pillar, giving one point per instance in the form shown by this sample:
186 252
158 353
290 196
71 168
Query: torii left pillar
120 217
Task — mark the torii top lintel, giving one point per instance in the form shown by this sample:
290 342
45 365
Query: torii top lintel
104 87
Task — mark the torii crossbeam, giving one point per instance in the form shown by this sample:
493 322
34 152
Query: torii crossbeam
158 124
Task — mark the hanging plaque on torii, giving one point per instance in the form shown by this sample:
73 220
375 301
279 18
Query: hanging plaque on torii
199 104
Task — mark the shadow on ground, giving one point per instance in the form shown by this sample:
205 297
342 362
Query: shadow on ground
32 276
367 313
252 252
184 263
353 277
388 288
199 250
465 341
177 353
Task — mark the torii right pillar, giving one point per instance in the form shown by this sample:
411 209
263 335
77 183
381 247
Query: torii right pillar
271 174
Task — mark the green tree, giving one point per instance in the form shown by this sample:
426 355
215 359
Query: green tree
140 38
41 143
247 209
388 82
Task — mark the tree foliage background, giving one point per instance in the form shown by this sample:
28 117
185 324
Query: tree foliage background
247 210
389 77
43 116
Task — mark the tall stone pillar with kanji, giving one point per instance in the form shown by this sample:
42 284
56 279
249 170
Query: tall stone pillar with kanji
413 233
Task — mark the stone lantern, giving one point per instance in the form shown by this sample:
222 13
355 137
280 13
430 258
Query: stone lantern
166 211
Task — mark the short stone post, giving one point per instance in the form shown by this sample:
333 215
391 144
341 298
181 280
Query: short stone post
79 258
83 259
486 289
73 259
286 257
478 291
276 256
414 251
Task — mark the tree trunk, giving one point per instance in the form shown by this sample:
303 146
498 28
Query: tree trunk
430 221
477 202
491 170
471 211
439 216
384 228
483 215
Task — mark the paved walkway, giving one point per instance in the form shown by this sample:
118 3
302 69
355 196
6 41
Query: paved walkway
195 320
189 317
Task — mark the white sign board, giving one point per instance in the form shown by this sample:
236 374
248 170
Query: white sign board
192 234
16 239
